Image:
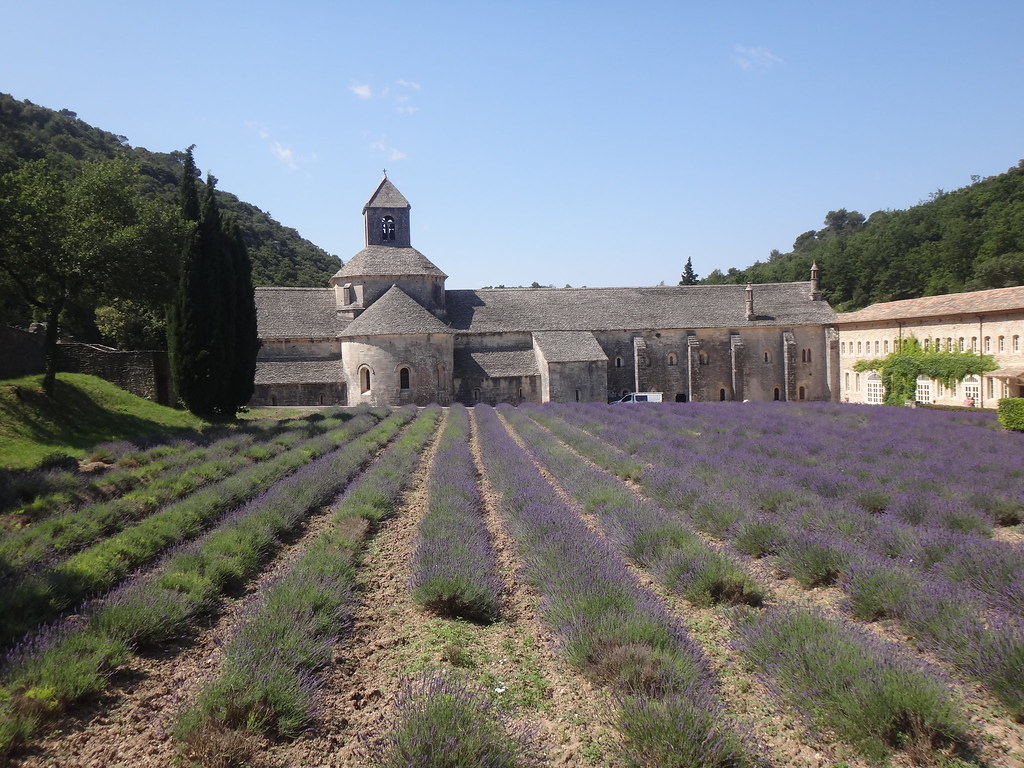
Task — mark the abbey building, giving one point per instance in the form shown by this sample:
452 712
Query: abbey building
386 331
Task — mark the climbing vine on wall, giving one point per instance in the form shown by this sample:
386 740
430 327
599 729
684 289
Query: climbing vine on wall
901 369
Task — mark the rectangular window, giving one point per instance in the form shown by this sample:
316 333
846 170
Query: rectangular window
991 387
847 382
856 382
924 391
876 393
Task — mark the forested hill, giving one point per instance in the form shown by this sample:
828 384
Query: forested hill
966 240
280 256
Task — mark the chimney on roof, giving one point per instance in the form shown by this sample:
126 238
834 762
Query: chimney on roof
815 283
749 291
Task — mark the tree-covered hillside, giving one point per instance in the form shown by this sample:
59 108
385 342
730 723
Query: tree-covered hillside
966 240
280 256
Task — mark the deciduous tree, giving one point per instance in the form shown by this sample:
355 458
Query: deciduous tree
64 241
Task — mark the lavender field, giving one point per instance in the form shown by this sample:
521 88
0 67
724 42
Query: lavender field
720 584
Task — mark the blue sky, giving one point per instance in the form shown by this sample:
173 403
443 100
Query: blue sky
565 142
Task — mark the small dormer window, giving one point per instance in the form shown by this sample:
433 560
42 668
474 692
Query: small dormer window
387 228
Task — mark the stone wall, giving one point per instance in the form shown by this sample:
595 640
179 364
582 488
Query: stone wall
21 353
145 373
333 393
428 358
998 334
498 389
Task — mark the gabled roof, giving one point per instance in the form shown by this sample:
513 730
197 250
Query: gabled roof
569 346
297 313
494 364
395 313
386 196
385 260
994 300
614 309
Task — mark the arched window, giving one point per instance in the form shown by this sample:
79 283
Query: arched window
988 344
1002 343
387 228
476 395
577 395
858 348
927 345
842 347
1016 343
960 344
672 359
972 389
801 394
778 394
364 379
721 395
876 346
618 362
767 356
885 347
974 343
403 378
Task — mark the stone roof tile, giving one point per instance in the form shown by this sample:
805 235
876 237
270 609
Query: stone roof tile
387 260
609 309
299 371
569 346
395 313
994 300
493 364
386 196
297 313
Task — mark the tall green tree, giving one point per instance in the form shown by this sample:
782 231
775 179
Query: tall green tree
689 277
69 242
212 336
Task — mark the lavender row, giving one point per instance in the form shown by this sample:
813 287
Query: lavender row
652 537
812 659
441 719
872 558
161 483
74 658
59 486
453 568
269 673
741 500
40 596
613 631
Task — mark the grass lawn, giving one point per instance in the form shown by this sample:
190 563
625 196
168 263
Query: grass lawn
84 411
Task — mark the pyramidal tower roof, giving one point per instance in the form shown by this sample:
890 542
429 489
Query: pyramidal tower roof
386 196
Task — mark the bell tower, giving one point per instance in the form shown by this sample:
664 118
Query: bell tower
386 217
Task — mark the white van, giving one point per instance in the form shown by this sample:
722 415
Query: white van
640 397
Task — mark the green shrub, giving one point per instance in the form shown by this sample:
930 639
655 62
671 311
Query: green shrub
1011 413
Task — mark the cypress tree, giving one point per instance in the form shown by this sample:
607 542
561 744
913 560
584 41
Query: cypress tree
212 336
246 338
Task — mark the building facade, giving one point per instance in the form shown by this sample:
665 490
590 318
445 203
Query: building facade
386 331
985 322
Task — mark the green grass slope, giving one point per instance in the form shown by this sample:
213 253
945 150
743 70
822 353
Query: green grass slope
84 411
